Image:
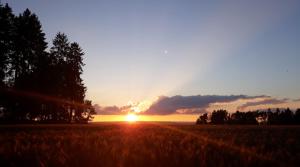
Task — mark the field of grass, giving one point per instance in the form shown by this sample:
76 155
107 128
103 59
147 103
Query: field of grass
148 144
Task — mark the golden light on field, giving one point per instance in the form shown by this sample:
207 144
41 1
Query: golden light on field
131 117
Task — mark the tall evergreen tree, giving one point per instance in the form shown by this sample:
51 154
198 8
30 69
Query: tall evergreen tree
58 57
76 89
42 86
6 35
67 62
30 48
74 70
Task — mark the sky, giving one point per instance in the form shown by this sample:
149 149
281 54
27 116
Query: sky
166 57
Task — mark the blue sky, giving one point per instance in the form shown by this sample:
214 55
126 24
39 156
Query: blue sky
138 50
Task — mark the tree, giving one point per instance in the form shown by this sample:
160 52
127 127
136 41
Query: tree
29 48
85 114
6 49
244 117
6 36
202 119
286 117
273 117
236 118
36 85
75 84
76 89
277 117
297 116
57 75
68 58
219 117
262 117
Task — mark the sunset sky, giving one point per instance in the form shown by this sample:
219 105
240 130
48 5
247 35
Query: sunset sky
175 59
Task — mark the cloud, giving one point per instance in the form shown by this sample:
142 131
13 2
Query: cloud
111 110
191 104
191 111
296 100
263 102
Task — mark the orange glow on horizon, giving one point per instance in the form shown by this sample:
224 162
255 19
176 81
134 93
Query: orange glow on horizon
147 118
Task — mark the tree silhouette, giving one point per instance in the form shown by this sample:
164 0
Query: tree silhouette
6 40
6 49
36 85
29 46
297 116
67 61
277 117
202 119
243 117
219 117
58 55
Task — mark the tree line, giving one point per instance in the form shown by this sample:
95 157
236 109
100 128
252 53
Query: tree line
37 83
272 117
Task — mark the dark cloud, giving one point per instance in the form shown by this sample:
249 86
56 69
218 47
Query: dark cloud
296 100
190 104
191 111
263 102
110 110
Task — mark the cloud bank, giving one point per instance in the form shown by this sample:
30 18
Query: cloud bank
268 101
111 110
191 104
197 104
296 100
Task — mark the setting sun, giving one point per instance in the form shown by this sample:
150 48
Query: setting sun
131 117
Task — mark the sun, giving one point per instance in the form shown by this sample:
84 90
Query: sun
131 117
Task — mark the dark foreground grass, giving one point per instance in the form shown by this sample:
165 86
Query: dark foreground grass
149 144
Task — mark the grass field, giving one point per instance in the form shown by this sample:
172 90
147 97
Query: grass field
148 144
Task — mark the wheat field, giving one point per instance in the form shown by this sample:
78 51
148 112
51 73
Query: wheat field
148 144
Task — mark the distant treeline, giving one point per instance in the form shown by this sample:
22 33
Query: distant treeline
38 84
272 117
